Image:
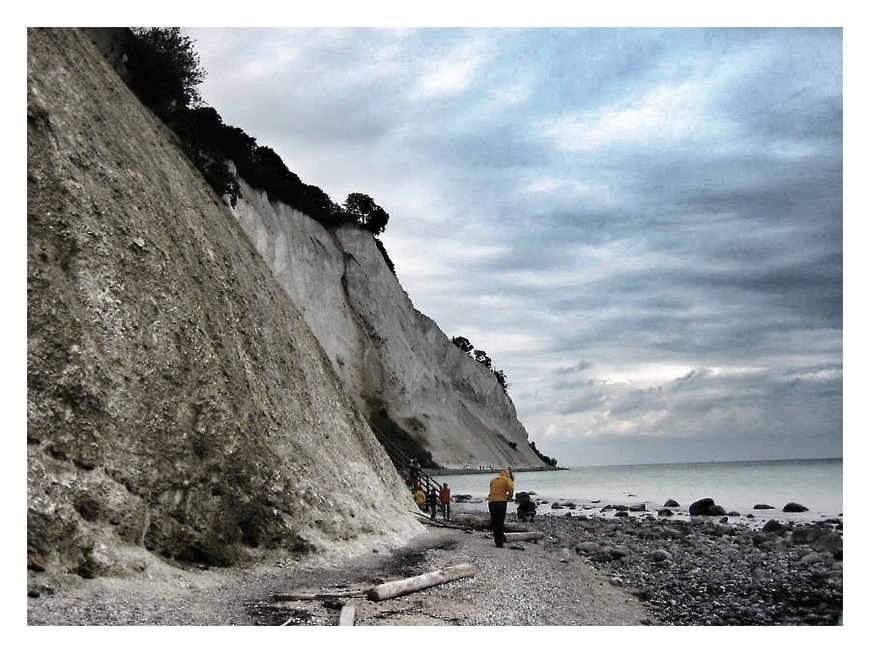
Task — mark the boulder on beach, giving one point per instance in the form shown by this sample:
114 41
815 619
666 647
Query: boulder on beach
762 506
831 542
723 528
806 533
661 555
794 507
587 548
671 503
701 506
773 526
706 507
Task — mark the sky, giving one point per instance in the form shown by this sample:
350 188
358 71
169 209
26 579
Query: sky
642 227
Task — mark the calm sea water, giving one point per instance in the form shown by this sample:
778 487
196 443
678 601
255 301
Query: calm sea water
737 486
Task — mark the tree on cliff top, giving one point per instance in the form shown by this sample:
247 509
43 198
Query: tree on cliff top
362 209
164 69
464 344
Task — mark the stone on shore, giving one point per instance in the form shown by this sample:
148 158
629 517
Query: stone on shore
706 508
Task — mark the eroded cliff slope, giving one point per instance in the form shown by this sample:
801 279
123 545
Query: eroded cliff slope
208 385
406 375
178 402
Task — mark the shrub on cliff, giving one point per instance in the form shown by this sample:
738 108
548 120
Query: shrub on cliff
464 344
362 209
163 70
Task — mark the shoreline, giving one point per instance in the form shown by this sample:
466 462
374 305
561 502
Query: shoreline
707 570
749 495
599 509
434 472
625 571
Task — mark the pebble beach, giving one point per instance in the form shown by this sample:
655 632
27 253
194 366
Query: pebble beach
608 571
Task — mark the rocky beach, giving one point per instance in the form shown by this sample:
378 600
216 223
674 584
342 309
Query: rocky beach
709 572
599 571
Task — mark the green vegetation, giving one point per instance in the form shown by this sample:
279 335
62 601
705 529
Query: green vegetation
401 445
363 210
164 71
481 357
550 461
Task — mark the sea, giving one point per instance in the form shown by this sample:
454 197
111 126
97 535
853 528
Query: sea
736 486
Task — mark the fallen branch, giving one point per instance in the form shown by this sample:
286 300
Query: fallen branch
320 596
428 521
407 585
524 536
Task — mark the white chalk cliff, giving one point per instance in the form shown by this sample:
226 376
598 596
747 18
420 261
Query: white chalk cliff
200 383
388 355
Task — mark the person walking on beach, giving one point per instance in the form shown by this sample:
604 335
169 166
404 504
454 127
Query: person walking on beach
501 490
444 497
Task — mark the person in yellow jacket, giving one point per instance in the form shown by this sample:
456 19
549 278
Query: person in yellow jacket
420 499
501 490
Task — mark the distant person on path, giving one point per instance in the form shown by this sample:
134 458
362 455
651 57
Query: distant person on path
444 497
501 490
414 474
432 502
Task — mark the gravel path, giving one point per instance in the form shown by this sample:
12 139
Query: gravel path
521 584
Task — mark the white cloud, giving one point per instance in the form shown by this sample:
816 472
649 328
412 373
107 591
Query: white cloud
666 114
452 73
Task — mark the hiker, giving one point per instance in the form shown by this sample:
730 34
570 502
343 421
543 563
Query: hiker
414 470
432 501
501 490
444 497
420 498
526 508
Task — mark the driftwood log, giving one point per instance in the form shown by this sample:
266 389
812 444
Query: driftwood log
320 596
396 588
347 615
423 519
524 536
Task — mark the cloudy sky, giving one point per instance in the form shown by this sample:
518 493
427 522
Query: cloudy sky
643 228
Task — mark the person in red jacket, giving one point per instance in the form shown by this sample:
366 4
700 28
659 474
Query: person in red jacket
501 490
444 498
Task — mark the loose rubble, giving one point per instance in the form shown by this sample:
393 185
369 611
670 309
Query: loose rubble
707 571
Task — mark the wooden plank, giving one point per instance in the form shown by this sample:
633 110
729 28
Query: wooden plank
415 583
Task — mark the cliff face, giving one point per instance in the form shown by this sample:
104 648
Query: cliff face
401 369
177 401
194 397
